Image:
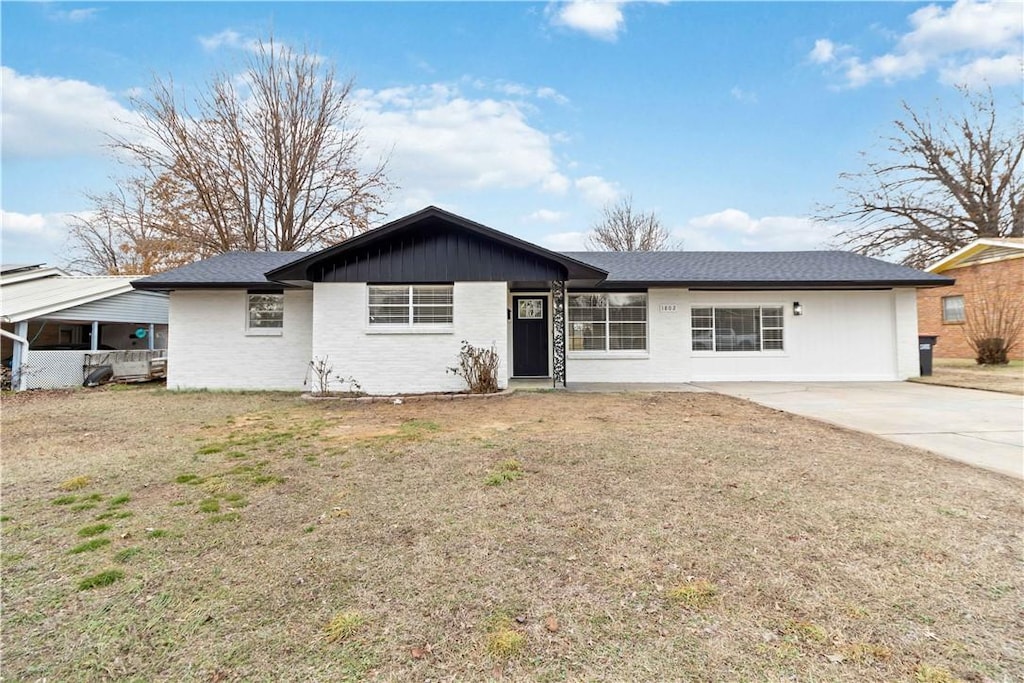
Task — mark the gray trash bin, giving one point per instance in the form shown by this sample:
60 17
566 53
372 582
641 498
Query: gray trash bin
926 345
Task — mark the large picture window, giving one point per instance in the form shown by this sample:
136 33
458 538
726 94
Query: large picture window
600 321
737 328
265 311
410 305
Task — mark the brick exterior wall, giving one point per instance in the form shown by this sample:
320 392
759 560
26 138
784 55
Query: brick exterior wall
970 281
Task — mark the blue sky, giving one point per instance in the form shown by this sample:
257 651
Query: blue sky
730 120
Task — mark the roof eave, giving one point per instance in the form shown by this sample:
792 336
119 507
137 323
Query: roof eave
171 286
779 285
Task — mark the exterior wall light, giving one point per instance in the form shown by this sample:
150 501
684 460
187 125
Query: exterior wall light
797 308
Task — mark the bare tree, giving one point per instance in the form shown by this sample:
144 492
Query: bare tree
126 232
622 228
944 184
995 321
270 160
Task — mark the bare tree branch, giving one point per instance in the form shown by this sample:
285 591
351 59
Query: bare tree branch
621 228
270 161
950 181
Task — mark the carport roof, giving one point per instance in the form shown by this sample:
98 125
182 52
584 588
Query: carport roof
27 299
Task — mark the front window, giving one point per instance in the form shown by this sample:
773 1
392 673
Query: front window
602 321
953 309
265 311
737 328
410 305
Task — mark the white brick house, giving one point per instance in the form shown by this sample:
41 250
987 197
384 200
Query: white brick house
392 306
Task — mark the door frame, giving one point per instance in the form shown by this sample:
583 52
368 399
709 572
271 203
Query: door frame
511 331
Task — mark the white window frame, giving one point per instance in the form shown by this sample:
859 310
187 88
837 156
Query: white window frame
963 310
410 325
713 351
607 322
263 331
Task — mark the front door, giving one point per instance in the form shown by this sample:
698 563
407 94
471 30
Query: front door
530 336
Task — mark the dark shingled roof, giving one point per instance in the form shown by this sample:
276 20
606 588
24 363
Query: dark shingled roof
711 269
234 269
752 268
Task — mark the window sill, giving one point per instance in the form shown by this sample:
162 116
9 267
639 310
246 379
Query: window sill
739 354
449 329
954 322
608 355
268 332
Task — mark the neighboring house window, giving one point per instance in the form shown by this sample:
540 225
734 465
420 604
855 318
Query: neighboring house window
411 304
737 328
953 309
265 311
608 322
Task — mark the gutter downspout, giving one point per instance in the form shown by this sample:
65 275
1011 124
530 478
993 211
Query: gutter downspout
20 339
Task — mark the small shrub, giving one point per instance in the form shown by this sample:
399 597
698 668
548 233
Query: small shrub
93 530
321 377
89 545
343 626
75 483
992 351
479 367
100 580
694 594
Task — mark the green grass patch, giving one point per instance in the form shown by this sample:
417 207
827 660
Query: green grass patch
343 626
236 454
126 554
503 640
100 580
210 449
118 501
694 594
225 517
806 632
89 545
188 479
64 500
88 505
93 530
926 673
209 505
267 479
156 533
510 470
5 518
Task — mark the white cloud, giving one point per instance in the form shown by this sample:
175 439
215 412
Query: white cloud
556 183
597 191
565 241
73 16
552 94
968 42
597 18
744 96
32 237
824 51
733 229
1004 70
546 216
438 139
230 39
51 117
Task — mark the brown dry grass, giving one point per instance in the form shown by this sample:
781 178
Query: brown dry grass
833 555
1007 379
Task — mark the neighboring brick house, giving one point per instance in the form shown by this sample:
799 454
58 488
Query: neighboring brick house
986 267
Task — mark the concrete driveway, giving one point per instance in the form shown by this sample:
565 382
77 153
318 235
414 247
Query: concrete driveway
981 428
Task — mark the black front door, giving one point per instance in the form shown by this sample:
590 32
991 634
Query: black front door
529 336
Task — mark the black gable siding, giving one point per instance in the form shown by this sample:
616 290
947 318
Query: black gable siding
436 253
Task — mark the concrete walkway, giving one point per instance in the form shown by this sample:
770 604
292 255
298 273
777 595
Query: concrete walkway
981 428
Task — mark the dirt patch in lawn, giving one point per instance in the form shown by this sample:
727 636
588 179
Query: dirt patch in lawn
208 536
1008 378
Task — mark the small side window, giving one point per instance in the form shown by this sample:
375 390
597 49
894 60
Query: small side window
265 311
953 309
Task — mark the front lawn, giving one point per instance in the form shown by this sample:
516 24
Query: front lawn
149 535
967 374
